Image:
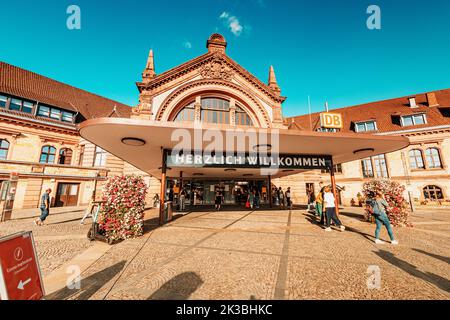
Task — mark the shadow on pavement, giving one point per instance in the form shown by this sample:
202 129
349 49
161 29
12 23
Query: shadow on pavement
180 287
436 256
90 285
429 277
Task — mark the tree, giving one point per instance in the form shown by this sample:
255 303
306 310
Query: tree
122 216
398 211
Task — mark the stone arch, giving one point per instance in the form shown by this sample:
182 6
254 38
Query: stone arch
209 86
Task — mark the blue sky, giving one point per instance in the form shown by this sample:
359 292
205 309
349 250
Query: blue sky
320 48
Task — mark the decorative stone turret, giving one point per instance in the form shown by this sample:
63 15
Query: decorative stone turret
273 81
216 43
149 71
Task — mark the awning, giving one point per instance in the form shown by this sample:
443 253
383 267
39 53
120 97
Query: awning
109 134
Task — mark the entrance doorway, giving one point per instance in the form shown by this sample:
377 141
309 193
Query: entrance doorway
67 194
235 192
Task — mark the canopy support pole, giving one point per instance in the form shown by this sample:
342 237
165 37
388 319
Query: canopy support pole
270 192
162 194
333 186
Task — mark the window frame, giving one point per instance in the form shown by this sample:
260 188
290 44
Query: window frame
5 149
428 189
432 164
365 123
415 167
65 156
102 154
48 154
413 116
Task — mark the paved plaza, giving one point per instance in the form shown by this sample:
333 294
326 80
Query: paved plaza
242 254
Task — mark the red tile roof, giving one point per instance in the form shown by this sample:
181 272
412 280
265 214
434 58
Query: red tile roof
29 85
386 113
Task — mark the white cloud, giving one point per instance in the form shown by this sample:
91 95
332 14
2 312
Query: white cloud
232 22
187 45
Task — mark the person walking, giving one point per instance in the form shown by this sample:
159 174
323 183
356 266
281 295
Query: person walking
182 200
218 202
379 206
281 197
288 198
330 208
250 198
311 199
45 208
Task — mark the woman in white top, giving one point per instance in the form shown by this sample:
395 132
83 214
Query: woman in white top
330 208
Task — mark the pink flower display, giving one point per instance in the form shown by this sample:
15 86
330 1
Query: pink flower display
122 216
398 211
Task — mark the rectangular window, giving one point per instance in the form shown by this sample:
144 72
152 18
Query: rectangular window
67 116
99 157
3 101
337 169
380 166
81 158
27 107
44 111
55 114
413 120
15 104
366 126
367 168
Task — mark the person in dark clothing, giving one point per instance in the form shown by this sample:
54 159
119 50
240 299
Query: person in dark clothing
218 200
45 208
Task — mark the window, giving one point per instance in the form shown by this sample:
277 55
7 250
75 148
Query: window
99 157
242 118
55 113
365 126
214 110
65 156
4 147
3 101
44 111
416 159
380 166
81 158
328 129
367 168
187 113
20 105
48 154
67 116
413 120
433 158
337 169
433 193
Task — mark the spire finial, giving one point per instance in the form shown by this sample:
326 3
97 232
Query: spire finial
149 72
273 80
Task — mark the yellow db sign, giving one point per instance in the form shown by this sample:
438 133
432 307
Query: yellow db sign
331 120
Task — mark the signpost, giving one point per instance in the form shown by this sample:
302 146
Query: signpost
20 275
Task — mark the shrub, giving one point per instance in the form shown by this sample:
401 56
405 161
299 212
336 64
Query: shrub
398 211
122 215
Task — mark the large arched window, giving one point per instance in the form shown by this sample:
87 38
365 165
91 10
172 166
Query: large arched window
65 156
433 193
416 159
4 147
433 158
215 111
48 154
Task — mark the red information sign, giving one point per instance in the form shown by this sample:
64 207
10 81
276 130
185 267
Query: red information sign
20 276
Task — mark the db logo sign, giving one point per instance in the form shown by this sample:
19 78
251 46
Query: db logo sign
331 120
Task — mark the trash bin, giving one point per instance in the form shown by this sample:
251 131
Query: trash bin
168 211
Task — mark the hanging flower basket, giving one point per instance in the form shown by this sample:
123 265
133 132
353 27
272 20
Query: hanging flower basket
122 215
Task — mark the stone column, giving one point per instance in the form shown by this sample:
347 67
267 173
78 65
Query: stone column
233 112
198 109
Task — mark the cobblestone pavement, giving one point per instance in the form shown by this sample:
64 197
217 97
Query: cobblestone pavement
256 255
60 240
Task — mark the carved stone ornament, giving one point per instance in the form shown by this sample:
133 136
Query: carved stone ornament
217 69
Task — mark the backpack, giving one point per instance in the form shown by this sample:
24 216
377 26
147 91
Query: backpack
370 207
